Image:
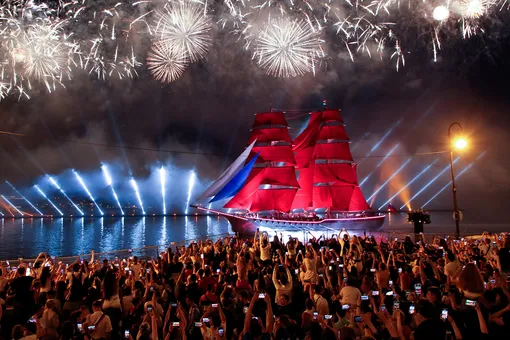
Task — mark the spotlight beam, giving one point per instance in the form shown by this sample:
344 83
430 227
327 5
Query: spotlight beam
191 184
52 180
82 183
379 165
162 178
12 205
26 200
109 181
408 184
44 195
430 183
449 183
137 192
1 214
391 177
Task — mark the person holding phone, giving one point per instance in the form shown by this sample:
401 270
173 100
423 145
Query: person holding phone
98 324
214 323
283 284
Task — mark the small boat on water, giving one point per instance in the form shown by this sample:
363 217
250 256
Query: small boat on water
309 183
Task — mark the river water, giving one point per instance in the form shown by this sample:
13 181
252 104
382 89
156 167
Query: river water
64 237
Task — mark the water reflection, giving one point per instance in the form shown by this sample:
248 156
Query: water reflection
65 236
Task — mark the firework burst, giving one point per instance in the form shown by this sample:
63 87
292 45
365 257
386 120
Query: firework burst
166 65
183 27
288 48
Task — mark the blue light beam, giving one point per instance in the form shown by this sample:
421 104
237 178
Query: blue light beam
379 165
391 177
430 183
191 184
65 195
456 176
44 195
84 186
137 192
376 146
109 182
408 184
12 205
162 178
26 200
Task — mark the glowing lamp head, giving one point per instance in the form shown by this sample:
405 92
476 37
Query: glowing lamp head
441 13
460 143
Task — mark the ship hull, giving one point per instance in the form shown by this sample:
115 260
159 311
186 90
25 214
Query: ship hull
243 225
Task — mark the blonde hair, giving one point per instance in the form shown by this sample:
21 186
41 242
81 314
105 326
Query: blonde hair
471 280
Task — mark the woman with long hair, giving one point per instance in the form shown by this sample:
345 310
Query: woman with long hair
470 282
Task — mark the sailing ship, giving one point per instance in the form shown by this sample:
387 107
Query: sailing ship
308 183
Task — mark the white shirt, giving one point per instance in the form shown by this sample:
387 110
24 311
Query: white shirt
103 328
350 295
321 304
451 268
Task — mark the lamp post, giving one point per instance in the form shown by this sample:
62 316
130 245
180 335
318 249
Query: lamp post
459 143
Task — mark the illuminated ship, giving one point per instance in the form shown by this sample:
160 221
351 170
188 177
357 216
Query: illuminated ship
306 184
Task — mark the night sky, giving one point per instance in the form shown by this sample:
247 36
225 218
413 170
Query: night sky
208 113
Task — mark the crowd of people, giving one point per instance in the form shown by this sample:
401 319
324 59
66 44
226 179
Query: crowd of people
343 287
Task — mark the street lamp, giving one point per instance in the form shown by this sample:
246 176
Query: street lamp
459 143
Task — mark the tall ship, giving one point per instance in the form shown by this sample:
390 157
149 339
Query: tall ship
307 184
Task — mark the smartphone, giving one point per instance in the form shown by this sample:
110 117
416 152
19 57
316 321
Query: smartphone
444 314
261 296
411 309
175 324
245 310
390 283
328 317
174 305
126 334
62 271
315 315
492 281
47 264
345 279
33 320
396 305
296 271
149 309
221 332
471 303
28 272
330 268
358 318
321 275
399 270
341 265
91 328
218 270
364 297
383 307
79 326
206 320
346 307
396 238
375 293
148 271
214 305
198 324
126 269
202 255
372 270
151 289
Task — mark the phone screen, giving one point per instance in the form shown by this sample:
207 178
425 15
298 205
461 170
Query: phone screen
261 296
358 318
79 326
411 309
444 314
364 297
126 334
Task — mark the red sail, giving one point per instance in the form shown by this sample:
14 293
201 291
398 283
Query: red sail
270 135
285 176
338 173
308 137
358 202
337 198
243 199
333 132
273 199
277 153
331 116
303 197
269 119
339 151
304 157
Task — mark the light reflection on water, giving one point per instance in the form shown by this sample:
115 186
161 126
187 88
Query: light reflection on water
62 237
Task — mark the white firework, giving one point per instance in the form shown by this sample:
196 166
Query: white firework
183 27
473 9
166 65
288 48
